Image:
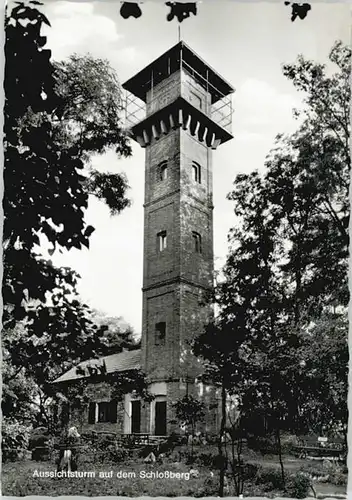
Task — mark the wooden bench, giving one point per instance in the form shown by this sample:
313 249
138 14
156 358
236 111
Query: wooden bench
66 446
140 440
131 441
319 447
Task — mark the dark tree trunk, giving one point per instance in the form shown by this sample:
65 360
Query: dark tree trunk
192 442
239 453
279 450
222 458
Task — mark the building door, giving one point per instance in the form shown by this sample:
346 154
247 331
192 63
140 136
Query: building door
160 418
136 417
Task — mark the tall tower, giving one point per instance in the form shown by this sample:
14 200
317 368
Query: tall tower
179 109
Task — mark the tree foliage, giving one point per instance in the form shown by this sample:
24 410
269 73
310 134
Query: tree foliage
54 123
115 333
281 333
287 267
57 116
189 411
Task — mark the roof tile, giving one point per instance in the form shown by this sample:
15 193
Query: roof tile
120 362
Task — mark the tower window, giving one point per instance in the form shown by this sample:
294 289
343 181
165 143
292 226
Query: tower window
196 171
161 240
162 171
197 242
160 333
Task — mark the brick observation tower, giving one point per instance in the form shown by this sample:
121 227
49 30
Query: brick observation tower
179 109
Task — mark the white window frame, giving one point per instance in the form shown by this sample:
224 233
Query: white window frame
162 241
163 171
197 242
196 172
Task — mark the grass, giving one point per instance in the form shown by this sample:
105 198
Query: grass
18 480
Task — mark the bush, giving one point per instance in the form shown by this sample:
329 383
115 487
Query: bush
181 456
337 476
85 458
220 461
117 455
15 439
251 471
175 439
111 452
103 448
146 450
334 474
41 444
209 489
298 485
264 445
271 477
212 438
288 442
205 459
313 469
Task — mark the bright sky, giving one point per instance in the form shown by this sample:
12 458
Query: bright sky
246 43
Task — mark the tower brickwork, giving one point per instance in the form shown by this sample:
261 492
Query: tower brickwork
179 131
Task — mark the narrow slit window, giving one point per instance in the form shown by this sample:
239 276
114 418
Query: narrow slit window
161 241
160 333
197 242
196 171
163 171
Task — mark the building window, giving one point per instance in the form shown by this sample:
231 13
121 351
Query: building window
91 413
162 171
160 333
161 240
136 417
105 411
197 242
196 171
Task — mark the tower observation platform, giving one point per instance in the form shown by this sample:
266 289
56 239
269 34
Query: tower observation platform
179 89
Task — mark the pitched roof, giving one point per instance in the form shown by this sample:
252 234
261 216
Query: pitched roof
140 83
120 362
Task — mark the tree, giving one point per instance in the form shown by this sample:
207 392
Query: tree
54 122
189 411
117 334
303 197
326 375
308 176
219 347
88 119
29 368
252 305
284 289
46 148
